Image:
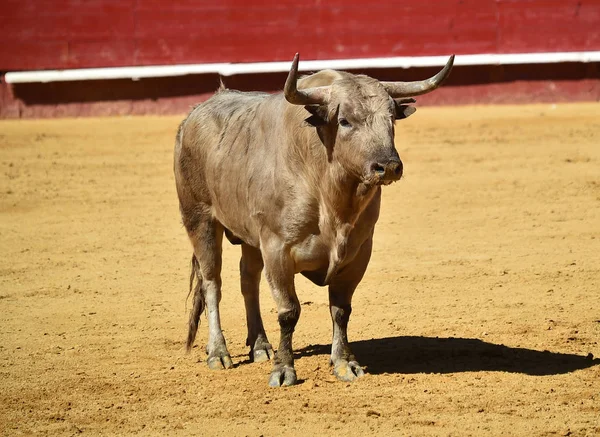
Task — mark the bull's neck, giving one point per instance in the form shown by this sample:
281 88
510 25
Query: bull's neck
345 196
342 195
343 200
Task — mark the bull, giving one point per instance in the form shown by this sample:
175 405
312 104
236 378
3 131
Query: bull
295 179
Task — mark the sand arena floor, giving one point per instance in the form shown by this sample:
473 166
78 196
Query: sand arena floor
477 316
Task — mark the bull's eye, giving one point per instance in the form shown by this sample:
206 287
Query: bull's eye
344 123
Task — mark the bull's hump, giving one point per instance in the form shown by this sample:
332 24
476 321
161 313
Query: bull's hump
322 78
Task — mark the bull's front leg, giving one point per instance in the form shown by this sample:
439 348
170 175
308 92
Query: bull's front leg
341 289
345 366
279 272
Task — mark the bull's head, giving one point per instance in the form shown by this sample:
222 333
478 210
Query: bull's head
356 115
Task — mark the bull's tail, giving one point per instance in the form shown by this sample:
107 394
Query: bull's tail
198 303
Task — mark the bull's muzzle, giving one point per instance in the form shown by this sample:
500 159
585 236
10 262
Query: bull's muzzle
385 173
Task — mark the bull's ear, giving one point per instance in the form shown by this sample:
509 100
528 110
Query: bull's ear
402 109
318 115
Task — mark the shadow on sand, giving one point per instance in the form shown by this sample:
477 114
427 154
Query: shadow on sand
449 355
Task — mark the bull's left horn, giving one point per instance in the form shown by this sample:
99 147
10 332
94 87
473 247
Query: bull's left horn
407 89
309 96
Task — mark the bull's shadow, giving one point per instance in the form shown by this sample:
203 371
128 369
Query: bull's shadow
450 355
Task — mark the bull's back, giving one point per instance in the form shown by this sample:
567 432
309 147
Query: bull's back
233 135
220 156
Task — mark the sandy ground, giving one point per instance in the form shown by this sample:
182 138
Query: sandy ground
477 316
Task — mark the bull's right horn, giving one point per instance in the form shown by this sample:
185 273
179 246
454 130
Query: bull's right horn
309 96
408 89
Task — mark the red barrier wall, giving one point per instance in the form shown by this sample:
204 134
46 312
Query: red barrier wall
60 34
57 34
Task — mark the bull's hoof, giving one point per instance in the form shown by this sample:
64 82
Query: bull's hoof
263 354
220 362
282 376
348 371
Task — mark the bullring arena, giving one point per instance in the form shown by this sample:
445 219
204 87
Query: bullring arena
479 311
478 314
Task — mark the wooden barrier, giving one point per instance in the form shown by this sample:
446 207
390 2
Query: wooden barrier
69 34
60 34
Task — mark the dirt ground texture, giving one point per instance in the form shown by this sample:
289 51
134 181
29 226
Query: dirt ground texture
477 315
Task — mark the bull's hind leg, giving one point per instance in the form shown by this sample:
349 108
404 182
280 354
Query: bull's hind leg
206 235
251 266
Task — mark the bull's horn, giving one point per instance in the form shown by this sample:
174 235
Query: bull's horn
407 89
309 96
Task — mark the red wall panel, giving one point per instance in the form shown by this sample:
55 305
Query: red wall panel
340 30
43 34
67 20
33 55
102 53
560 25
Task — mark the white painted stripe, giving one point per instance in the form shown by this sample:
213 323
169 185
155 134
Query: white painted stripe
230 69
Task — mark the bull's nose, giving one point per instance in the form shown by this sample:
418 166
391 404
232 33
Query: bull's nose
388 171
395 168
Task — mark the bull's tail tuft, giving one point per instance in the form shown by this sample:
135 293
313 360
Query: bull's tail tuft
198 303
